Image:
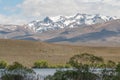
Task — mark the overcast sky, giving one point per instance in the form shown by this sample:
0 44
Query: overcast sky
24 11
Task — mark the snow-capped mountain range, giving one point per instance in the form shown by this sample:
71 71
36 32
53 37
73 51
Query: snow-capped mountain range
78 29
61 22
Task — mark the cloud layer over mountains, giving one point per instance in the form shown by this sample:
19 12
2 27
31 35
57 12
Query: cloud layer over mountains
37 9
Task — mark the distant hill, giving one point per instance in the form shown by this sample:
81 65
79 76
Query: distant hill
27 52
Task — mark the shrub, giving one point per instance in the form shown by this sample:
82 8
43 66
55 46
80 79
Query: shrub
63 66
15 65
68 66
16 71
3 64
60 66
40 64
12 77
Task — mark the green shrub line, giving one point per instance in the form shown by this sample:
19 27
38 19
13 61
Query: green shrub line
38 64
85 58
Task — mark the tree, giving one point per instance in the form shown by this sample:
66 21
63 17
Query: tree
85 58
111 64
118 67
109 72
81 63
117 71
72 75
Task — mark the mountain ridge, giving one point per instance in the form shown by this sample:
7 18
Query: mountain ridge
60 22
77 29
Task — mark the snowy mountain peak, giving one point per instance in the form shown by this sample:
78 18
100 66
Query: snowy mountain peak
48 20
59 22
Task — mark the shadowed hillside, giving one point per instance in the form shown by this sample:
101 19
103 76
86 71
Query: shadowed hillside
27 52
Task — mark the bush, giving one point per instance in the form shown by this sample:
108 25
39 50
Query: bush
68 66
72 75
63 66
12 77
60 66
40 64
15 65
3 64
16 71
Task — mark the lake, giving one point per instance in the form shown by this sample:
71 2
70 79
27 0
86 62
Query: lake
49 71
42 73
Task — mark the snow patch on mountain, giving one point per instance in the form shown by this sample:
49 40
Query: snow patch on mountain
59 22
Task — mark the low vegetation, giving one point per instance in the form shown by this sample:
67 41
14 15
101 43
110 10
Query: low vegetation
40 64
17 71
82 65
3 64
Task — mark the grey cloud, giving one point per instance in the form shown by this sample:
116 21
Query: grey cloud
37 9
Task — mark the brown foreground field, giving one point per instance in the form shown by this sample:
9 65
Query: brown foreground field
27 52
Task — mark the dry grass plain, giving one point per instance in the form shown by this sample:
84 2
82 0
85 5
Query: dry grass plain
27 52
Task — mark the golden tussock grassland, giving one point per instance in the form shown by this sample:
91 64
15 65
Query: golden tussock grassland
27 52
